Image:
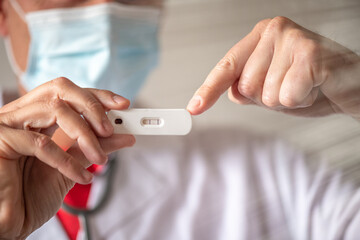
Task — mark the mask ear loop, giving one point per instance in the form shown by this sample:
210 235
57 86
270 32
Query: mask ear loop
18 9
8 47
14 66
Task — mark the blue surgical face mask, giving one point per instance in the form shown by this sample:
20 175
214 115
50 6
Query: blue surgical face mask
106 46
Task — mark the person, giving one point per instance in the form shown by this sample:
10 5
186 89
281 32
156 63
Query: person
237 187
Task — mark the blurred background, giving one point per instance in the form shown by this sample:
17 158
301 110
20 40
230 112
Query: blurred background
195 35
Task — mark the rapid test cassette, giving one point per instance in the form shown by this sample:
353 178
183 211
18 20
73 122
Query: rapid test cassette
151 121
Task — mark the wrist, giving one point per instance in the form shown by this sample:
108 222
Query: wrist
342 83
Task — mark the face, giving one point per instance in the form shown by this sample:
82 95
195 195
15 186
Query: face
11 24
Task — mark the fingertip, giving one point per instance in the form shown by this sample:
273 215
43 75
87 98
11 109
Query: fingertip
92 150
102 159
131 140
121 102
87 177
195 105
195 112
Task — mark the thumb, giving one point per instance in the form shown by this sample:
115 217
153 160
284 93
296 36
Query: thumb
226 72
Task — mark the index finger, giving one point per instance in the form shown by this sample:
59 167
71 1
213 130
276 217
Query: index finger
90 103
226 72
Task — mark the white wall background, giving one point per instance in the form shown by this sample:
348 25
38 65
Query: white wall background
197 33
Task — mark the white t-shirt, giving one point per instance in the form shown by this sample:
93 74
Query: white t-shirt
220 184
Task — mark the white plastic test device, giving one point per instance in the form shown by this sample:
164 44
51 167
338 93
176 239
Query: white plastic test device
151 121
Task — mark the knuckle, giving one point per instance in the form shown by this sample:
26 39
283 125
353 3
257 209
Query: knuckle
66 161
63 162
227 63
59 85
92 104
60 82
42 142
56 104
312 46
247 89
84 129
7 118
261 26
281 21
308 50
293 35
277 24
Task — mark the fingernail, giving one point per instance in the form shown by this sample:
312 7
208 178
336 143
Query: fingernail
106 159
96 155
87 175
132 140
118 99
194 103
